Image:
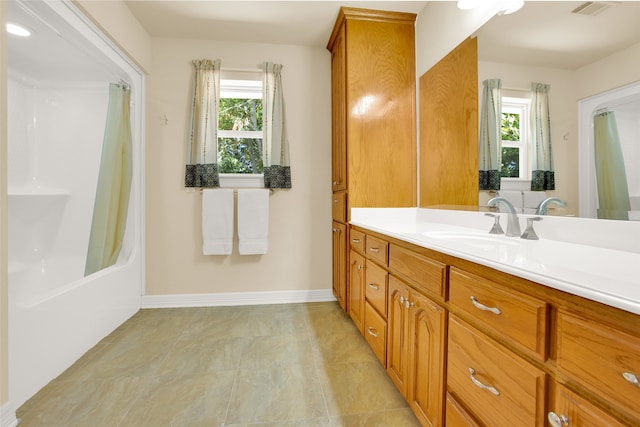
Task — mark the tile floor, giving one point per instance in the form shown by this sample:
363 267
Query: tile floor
287 365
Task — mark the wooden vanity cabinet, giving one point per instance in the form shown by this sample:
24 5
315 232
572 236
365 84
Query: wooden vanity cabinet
416 342
468 345
373 112
356 289
339 240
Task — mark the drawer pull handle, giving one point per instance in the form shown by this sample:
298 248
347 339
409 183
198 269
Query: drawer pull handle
557 420
336 201
374 286
632 378
355 240
371 330
477 382
374 250
480 306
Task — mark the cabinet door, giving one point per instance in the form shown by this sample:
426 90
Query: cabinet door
568 409
356 289
339 114
398 333
427 332
340 263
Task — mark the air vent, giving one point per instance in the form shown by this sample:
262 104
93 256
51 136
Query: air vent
593 8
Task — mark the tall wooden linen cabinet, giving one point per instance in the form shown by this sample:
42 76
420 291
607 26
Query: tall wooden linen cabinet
373 122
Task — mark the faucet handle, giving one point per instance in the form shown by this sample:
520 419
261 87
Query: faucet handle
496 229
529 232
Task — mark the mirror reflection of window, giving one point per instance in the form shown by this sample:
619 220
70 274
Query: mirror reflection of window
515 139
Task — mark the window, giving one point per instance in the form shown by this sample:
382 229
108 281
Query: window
515 139
240 127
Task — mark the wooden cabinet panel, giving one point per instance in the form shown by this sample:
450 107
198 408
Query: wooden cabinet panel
398 334
497 386
520 318
375 332
429 275
356 289
427 334
377 249
574 411
357 239
376 284
339 112
340 263
603 359
339 206
457 416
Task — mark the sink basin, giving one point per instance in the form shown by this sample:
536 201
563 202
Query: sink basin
499 247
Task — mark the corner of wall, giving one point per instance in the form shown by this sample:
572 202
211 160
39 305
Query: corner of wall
4 334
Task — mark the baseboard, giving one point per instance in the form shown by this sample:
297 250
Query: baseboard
8 415
236 298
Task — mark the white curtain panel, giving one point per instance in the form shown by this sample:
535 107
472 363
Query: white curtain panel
277 169
490 138
542 175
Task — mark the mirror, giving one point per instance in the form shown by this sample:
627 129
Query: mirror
580 49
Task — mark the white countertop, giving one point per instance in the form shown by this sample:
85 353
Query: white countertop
595 259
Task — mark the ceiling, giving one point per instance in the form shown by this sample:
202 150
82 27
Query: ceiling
541 33
306 23
546 33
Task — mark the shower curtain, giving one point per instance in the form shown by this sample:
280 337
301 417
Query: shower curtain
114 184
611 176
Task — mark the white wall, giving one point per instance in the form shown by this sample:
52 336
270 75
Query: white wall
300 218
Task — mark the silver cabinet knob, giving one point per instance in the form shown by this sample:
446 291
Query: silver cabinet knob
631 378
556 420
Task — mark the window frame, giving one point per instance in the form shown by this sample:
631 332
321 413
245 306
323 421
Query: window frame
234 84
519 105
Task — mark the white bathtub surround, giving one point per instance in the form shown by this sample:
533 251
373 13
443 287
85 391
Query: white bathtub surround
57 119
217 221
253 222
595 259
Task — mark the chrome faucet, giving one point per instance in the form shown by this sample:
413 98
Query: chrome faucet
513 225
542 207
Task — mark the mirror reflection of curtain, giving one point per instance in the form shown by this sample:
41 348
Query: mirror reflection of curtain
542 175
277 170
611 176
114 184
202 147
490 153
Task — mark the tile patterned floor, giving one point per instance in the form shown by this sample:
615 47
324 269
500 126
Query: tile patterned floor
290 365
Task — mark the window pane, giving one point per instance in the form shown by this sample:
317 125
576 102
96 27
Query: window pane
510 127
240 155
510 162
240 114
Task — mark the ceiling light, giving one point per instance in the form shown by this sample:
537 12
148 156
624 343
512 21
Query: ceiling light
467 4
510 6
17 30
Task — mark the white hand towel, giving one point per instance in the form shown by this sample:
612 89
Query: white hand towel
514 197
253 222
532 199
217 222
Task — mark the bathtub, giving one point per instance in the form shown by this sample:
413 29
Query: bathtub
56 127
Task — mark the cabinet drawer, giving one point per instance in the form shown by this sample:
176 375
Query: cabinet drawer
357 240
339 206
377 249
457 416
580 412
520 318
376 288
429 274
375 332
496 385
603 359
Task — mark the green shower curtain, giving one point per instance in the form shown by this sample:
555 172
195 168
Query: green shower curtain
114 184
611 176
